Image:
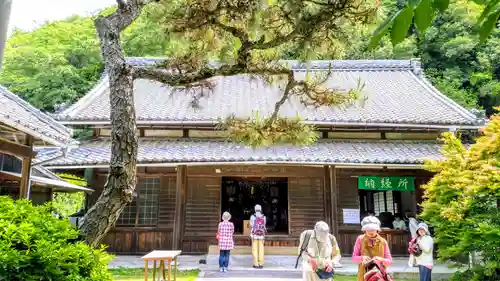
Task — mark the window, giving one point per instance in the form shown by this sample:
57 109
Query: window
127 217
148 191
10 163
383 201
143 210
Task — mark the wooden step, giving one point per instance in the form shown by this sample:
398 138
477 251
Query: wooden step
247 250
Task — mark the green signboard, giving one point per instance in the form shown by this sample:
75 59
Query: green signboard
386 183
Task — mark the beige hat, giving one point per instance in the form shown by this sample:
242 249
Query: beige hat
370 223
321 230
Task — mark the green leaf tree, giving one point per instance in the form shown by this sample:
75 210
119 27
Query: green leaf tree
463 204
423 12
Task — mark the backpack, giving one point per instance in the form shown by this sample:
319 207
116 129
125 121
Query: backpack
304 245
259 227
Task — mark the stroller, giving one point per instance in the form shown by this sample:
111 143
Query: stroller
375 271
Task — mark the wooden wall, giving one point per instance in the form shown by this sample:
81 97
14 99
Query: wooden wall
308 193
202 213
306 203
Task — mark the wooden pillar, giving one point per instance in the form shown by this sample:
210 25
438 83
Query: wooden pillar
327 191
89 176
24 186
334 201
180 209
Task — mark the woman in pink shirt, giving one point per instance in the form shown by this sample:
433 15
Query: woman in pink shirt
370 246
226 242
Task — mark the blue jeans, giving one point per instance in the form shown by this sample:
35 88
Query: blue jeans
224 258
425 273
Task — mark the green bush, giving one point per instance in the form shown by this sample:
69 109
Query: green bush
462 204
34 245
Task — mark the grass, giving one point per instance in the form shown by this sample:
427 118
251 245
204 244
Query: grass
137 274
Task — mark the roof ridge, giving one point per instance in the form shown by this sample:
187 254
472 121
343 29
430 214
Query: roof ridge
315 64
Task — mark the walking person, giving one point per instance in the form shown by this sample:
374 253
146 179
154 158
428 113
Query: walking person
226 243
425 260
316 250
371 248
257 234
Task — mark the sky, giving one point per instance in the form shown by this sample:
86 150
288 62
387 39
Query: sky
28 14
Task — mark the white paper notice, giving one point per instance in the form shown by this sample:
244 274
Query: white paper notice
351 216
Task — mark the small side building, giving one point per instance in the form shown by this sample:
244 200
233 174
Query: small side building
368 158
22 127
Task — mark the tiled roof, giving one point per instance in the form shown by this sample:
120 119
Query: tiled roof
97 152
396 92
17 113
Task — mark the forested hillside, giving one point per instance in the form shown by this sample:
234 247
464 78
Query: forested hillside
60 61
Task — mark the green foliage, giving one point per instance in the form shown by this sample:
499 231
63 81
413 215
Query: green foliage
65 203
54 64
456 63
261 131
34 245
423 12
462 203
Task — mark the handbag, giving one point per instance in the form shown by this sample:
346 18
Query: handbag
414 249
323 275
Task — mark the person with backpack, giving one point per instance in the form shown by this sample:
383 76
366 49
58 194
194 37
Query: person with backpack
257 234
372 252
316 248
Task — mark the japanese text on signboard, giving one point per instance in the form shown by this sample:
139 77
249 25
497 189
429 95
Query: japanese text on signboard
386 183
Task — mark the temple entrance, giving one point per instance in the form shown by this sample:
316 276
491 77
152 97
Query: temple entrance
240 195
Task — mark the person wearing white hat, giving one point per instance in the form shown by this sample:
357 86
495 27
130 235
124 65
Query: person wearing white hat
425 260
316 250
257 234
370 246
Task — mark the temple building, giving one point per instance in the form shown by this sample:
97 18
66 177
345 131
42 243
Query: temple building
368 158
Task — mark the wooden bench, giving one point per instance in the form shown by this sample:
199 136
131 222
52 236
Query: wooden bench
161 256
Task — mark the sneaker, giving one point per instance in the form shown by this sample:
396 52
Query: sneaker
261 266
255 266
225 269
221 269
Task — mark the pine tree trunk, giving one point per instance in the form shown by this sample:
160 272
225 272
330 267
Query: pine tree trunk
121 181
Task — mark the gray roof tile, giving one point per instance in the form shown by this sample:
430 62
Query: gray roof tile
396 93
97 152
19 114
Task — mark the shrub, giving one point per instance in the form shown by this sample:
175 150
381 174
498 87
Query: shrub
462 204
34 245
66 204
